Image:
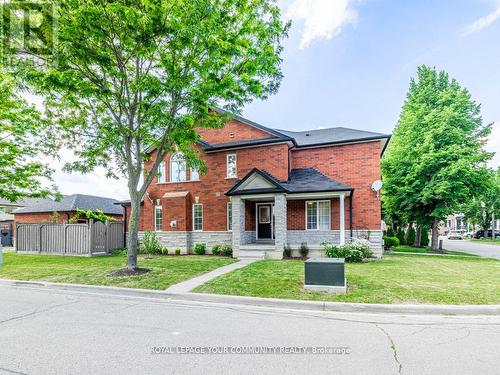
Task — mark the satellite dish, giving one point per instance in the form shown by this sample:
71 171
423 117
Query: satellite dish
376 186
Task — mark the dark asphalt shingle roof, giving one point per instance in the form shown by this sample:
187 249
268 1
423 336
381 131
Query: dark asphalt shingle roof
26 202
300 180
331 136
73 202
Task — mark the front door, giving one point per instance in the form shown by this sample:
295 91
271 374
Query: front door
264 221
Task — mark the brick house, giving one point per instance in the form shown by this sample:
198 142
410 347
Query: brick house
266 188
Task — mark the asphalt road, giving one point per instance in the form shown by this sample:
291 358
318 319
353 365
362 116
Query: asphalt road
58 332
472 247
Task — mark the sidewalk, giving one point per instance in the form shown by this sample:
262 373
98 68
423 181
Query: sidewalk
188 285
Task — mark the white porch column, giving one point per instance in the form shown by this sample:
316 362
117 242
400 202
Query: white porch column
238 223
280 220
342 219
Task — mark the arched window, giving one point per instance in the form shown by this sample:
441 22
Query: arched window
177 168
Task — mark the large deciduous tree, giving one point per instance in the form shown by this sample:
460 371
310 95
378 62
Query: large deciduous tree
435 160
22 140
131 76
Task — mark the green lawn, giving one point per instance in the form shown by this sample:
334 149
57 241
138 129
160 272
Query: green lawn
410 249
165 270
488 241
401 278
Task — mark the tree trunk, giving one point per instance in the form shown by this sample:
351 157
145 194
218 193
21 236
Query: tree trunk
435 235
418 236
133 229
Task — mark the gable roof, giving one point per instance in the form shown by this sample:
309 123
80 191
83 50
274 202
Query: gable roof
335 135
300 180
73 202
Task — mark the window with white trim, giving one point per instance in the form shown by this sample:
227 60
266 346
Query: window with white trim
197 217
231 170
318 215
177 168
158 218
162 173
229 216
194 174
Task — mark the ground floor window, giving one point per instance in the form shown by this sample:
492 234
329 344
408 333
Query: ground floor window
158 218
318 215
197 217
229 216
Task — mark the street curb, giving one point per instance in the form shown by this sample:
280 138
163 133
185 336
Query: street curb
344 307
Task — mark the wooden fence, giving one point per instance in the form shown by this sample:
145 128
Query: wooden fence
70 239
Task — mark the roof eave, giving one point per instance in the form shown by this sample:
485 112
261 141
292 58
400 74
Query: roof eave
346 141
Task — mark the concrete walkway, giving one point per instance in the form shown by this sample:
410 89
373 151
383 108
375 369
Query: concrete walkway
188 285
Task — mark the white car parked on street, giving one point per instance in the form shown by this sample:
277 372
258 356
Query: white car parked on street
455 235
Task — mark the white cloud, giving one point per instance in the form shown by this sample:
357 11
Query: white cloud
483 22
494 145
322 19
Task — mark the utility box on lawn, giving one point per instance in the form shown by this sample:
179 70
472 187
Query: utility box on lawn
325 274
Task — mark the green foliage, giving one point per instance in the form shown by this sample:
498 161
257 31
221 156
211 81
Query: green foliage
150 244
353 251
177 251
24 136
287 251
227 250
400 234
390 232
424 237
303 249
390 242
216 250
481 208
97 216
410 235
164 250
435 159
200 248
128 76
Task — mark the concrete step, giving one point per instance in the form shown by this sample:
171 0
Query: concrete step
257 247
245 254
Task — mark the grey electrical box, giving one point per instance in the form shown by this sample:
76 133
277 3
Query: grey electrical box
325 274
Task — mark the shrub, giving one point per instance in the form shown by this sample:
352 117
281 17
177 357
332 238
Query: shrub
400 234
200 248
216 250
227 250
304 249
389 232
424 237
353 251
410 235
177 251
390 242
122 251
164 250
287 251
150 244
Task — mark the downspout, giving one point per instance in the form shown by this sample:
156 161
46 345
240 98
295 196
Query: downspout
350 211
124 225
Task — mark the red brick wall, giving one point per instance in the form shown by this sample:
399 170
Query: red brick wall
212 186
296 212
43 217
357 165
237 129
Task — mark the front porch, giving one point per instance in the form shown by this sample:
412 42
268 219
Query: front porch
268 214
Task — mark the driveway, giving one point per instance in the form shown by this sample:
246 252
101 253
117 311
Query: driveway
63 332
481 249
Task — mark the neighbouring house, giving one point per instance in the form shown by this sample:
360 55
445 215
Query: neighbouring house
454 222
63 211
7 218
266 188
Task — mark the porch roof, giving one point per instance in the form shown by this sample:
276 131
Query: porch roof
300 180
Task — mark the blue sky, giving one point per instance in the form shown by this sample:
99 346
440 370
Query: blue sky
349 62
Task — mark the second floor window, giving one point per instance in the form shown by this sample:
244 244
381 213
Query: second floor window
162 175
158 218
177 168
231 170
